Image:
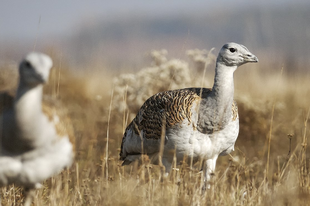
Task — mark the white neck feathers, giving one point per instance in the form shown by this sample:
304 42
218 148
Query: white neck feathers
223 88
28 103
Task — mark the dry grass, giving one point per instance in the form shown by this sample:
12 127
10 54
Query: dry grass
269 167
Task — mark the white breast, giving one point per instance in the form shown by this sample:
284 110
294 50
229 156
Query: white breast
185 139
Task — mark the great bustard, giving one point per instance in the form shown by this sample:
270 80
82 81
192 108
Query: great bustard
34 143
200 123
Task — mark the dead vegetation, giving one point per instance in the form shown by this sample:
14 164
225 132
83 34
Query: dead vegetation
269 167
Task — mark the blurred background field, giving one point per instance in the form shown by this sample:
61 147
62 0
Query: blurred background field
110 57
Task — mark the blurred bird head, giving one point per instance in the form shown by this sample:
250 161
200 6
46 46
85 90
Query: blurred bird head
34 69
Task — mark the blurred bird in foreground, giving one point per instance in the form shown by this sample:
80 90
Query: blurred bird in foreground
34 140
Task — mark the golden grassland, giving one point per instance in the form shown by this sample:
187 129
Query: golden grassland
270 164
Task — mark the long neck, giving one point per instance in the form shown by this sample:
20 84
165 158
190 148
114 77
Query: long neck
223 88
24 126
28 114
28 103
215 109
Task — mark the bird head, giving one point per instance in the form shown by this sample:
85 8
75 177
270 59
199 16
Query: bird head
233 54
34 69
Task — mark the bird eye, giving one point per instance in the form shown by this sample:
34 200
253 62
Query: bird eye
27 64
232 50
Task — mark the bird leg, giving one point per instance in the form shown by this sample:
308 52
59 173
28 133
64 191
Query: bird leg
209 172
165 169
29 192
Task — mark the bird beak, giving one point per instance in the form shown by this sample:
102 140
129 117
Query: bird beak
250 58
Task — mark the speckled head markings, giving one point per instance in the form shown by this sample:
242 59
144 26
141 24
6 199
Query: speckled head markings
34 144
233 54
200 123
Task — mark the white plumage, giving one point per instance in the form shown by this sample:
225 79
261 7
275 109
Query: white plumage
32 148
199 123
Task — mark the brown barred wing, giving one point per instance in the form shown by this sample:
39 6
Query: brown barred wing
166 108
